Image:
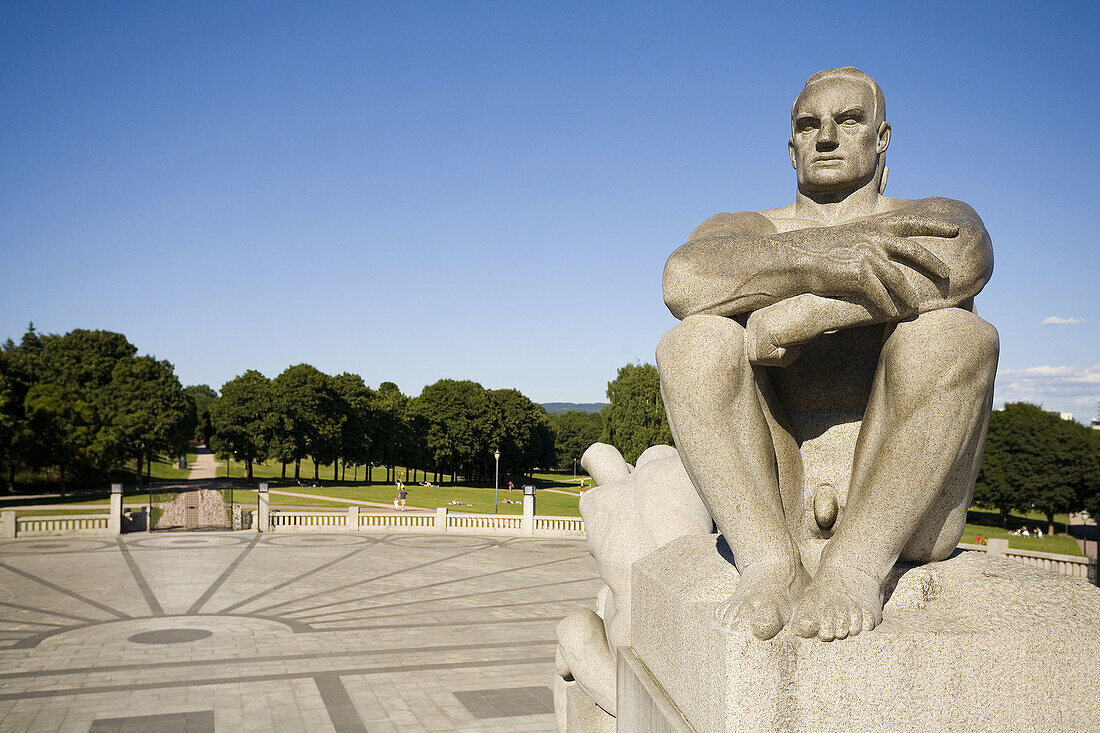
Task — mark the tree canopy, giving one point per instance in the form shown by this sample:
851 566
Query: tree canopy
573 432
243 419
1035 459
635 418
83 401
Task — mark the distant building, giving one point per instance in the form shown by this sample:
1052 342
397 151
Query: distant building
1066 415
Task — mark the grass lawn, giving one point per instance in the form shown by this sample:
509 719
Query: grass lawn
987 523
273 470
60 512
249 499
164 470
1059 543
480 498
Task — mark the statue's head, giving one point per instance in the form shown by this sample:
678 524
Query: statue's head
839 132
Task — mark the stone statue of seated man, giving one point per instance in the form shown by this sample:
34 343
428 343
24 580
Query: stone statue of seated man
844 321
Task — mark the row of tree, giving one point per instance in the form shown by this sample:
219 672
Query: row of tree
453 428
86 402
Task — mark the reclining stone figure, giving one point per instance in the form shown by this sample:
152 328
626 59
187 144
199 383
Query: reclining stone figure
632 511
829 385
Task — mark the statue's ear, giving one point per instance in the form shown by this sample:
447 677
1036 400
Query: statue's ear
790 152
883 138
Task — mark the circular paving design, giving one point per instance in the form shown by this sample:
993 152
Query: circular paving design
536 545
170 636
41 546
463 542
329 540
205 540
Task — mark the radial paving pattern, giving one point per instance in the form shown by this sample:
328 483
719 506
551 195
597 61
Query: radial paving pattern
309 632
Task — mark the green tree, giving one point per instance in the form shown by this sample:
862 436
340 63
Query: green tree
992 488
635 418
1091 499
459 420
393 437
12 416
63 431
1034 459
311 419
82 359
522 433
573 432
48 432
147 410
357 402
242 419
202 395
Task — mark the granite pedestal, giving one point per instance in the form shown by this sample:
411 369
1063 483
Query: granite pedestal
972 644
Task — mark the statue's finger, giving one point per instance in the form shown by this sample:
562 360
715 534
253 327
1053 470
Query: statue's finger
604 463
875 291
915 254
896 282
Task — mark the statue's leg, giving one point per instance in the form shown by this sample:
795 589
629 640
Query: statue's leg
915 459
722 433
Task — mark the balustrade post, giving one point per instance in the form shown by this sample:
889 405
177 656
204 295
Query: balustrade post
7 524
263 510
527 524
353 518
114 519
441 519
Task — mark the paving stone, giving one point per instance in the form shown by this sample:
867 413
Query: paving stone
271 633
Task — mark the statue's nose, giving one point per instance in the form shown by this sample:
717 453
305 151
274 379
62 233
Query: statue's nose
826 136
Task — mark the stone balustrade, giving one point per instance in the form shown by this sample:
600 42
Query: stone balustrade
58 525
1071 565
443 520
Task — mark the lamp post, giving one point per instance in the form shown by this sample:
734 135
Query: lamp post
574 468
496 481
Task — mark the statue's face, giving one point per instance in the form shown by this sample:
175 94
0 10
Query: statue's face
836 140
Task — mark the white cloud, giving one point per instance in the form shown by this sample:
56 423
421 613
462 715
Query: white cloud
1059 388
1059 321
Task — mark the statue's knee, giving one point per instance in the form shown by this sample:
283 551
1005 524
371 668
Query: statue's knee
944 348
701 343
973 343
985 342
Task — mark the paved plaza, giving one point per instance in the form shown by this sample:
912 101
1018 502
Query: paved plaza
293 632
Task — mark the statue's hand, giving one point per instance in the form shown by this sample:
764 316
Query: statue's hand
860 259
766 340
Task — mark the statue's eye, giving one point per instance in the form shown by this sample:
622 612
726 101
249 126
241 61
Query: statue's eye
849 121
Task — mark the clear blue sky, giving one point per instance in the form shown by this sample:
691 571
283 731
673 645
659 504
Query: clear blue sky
413 191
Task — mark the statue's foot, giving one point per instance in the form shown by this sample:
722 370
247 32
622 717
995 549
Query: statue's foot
840 602
765 595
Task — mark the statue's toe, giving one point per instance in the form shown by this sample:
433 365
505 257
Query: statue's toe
767 621
805 624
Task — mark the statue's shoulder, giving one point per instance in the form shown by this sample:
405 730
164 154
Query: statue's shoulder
739 222
933 205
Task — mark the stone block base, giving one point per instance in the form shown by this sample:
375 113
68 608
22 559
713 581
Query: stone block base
576 711
969 644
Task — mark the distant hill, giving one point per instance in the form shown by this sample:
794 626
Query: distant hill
578 406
